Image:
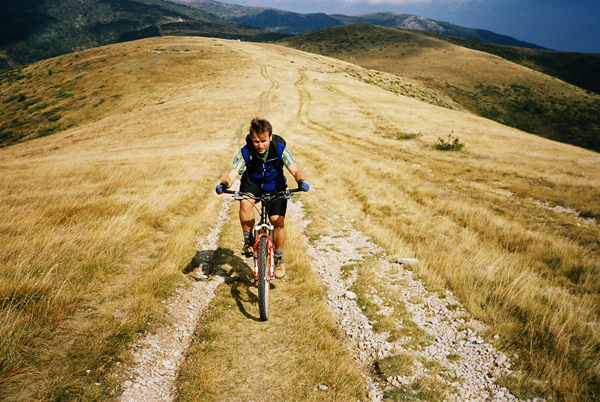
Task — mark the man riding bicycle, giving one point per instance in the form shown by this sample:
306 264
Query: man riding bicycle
261 161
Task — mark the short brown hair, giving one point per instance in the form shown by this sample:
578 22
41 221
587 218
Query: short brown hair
259 126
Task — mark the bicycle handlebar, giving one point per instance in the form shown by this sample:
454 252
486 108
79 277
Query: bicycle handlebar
238 195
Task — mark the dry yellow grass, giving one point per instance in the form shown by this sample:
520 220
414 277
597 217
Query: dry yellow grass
485 84
238 357
99 220
474 218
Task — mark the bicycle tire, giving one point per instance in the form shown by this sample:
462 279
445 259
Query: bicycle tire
263 278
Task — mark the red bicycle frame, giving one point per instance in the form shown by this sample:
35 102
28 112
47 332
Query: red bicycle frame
271 249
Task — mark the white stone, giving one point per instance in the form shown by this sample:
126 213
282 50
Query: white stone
350 295
501 359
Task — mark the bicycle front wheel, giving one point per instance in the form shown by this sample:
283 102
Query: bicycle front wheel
263 278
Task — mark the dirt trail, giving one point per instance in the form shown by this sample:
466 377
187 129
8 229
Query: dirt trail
157 356
466 364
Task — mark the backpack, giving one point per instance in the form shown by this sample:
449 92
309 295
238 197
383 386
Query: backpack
279 146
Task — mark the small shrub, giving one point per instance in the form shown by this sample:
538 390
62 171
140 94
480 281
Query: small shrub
50 112
407 136
60 95
6 135
452 144
101 101
18 97
45 131
54 118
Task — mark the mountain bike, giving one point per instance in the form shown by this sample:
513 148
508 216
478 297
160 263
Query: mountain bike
264 247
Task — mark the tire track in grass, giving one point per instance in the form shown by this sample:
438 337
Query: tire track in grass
450 361
157 357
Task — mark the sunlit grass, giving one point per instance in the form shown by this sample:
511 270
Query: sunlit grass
286 357
99 221
101 217
528 271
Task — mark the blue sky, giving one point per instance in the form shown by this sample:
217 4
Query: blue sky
571 25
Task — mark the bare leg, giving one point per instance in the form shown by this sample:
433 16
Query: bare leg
278 222
247 215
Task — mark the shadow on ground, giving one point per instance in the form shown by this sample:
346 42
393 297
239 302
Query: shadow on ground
237 271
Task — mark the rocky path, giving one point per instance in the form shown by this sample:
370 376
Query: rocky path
157 357
469 364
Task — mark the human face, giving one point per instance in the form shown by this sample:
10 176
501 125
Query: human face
261 141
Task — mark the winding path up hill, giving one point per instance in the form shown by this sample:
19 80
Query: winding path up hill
106 195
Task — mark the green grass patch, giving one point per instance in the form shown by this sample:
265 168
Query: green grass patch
396 365
64 95
46 131
450 144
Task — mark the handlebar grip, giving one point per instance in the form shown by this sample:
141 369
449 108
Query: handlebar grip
229 192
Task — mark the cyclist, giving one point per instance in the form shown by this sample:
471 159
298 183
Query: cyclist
261 161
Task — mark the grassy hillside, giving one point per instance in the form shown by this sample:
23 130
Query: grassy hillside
36 30
579 69
487 85
101 219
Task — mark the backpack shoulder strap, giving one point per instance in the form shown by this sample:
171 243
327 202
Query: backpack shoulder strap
246 155
280 143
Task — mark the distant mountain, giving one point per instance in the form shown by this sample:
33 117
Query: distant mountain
580 69
288 22
408 21
295 23
32 30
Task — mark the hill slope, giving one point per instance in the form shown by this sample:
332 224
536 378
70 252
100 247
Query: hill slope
102 220
579 69
33 30
483 83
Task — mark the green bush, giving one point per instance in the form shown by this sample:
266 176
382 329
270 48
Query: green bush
6 135
44 131
64 95
452 144
18 97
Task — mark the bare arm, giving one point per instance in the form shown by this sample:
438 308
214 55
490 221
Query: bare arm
296 172
230 177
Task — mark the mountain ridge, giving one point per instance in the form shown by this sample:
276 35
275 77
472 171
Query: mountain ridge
36 30
299 23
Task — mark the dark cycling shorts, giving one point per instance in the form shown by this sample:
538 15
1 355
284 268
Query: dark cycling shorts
278 207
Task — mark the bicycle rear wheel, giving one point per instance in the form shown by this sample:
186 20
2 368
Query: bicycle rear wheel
263 278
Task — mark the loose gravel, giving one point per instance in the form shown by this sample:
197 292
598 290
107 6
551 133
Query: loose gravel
470 364
157 357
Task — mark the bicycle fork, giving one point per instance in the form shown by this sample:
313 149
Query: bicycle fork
270 255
